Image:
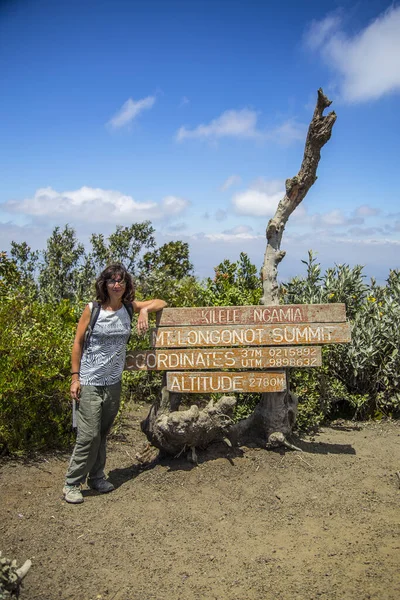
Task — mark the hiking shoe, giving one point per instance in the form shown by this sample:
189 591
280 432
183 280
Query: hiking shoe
101 485
72 494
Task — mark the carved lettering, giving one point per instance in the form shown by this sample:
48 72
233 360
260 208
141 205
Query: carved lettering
225 382
286 314
253 315
307 335
220 316
242 335
222 358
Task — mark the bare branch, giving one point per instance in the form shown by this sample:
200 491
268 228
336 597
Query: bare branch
319 132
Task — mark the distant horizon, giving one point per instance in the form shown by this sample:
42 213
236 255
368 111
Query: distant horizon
291 265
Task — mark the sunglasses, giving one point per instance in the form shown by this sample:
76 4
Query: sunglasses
113 282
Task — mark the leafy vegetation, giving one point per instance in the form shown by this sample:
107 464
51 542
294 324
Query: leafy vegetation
34 368
360 379
234 284
9 580
43 293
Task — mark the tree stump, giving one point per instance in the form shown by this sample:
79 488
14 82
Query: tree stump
173 431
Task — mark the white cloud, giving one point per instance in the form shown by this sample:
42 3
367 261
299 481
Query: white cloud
232 237
338 218
366 211
129 111
368 62
333 218
319 31
231 181
290 131
242 124
260 200
240 229
377 254
172 205
95 205
184 101
263 196
255 203
371 242
232 123
364 231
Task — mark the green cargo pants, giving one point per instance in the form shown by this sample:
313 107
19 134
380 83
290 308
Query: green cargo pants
98 407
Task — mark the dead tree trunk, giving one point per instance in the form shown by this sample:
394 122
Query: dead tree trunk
319 132
277 411
173 431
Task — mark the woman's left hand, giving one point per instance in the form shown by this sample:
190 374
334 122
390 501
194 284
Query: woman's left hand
143 321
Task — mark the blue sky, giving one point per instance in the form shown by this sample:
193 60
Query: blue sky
192 114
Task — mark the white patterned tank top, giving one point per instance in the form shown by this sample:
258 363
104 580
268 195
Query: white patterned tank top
104 359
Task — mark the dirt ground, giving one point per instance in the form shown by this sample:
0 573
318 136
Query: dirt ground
245 524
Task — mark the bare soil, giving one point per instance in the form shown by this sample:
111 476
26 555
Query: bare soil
245 524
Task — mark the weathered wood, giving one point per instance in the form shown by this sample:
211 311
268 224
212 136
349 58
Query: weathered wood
253 315
242 335
319 132
173 430
273 410
222 358
222 382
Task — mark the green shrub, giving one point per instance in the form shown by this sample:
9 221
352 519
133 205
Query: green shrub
360 379
234 284
35 344
370 366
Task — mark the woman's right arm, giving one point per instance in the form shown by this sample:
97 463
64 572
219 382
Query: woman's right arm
76 355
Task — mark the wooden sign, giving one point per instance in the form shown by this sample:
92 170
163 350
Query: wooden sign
224 382
253 315
239 337
223 358
242 335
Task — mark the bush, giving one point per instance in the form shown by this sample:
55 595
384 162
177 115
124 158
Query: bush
369 367
35 344
360 379
234 284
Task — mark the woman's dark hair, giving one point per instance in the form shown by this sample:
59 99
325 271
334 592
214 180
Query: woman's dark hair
109 273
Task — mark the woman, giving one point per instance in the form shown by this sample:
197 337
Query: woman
97 366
